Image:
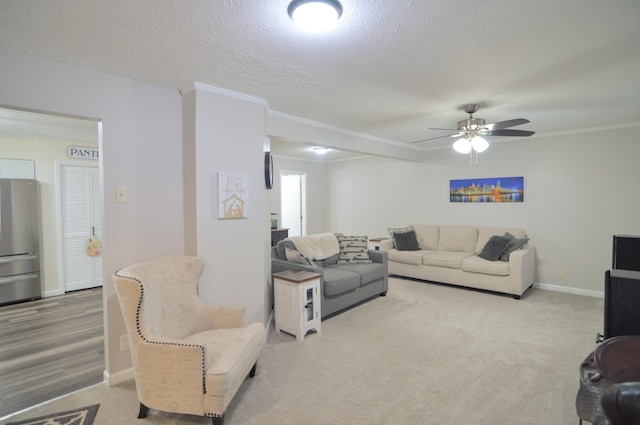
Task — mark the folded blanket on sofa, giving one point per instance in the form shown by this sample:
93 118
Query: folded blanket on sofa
318 246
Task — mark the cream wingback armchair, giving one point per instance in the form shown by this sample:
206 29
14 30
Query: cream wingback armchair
188 357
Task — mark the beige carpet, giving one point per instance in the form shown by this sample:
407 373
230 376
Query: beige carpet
424 354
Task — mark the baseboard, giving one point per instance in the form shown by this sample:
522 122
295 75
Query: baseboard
118 377
577 291
270 324
53 293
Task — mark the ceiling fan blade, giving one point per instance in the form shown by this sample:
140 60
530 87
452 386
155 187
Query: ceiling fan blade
504 124
513 133
446 129
434 138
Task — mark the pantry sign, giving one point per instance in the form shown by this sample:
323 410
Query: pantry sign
82 152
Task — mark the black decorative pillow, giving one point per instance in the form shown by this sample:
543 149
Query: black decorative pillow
353 249
406 241
514 244
494 248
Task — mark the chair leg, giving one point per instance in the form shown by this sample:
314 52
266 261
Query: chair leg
144 411
218 420
252 372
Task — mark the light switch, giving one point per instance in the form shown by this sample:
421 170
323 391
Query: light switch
121 195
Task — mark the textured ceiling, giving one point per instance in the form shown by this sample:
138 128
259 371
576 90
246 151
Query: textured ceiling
391 69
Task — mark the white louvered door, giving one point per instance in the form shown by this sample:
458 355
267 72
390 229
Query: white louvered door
81 218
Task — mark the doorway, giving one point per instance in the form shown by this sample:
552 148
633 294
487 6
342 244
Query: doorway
293 202
81 226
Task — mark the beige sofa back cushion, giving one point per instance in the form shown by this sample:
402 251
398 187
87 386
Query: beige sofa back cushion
458 238
427 235
485 233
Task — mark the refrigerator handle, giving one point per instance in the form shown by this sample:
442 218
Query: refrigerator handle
17 278
12 258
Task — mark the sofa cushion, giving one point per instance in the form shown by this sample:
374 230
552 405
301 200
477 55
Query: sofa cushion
298 257
494 248
393 230
407 257
449 259
368 272
476 264
514 244
458 238
484 233
427 235
406 241
353 249
338 281
330 261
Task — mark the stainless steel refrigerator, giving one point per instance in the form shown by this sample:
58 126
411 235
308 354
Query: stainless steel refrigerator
19 241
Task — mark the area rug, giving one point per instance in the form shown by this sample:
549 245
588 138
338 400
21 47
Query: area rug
82 416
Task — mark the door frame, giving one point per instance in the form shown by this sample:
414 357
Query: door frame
59 164
303 199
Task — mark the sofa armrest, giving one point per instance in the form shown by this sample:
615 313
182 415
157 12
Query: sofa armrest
378 256
386 244
278 265
522 263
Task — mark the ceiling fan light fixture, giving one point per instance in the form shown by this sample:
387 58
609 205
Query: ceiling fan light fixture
479 144
462 145
315 15
320 150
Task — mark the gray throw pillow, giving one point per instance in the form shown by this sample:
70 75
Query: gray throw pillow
494 248
393 230
514 244
406 241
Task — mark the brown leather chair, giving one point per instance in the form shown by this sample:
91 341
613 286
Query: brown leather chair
610 383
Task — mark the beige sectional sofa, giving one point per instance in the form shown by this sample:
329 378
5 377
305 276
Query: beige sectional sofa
456 255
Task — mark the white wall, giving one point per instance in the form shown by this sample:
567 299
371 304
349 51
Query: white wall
141 149
225 132
580 189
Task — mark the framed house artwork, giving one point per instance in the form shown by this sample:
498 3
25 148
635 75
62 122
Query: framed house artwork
495 189
233 195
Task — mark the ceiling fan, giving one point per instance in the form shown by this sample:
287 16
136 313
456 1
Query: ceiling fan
471 132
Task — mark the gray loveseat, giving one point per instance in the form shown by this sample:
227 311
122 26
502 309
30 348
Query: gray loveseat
350 273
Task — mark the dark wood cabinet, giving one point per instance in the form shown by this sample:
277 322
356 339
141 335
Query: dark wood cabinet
621 303
277 235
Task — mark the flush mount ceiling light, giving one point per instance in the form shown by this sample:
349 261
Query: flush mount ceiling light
315 15
320 150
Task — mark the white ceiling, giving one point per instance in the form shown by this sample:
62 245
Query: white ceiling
391 69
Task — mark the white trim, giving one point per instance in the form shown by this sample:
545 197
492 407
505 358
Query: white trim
195 86
53 293
340 130
119 377
577 291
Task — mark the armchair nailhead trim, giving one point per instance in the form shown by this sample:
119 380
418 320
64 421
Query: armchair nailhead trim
144 338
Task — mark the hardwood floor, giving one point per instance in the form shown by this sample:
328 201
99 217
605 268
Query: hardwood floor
50 347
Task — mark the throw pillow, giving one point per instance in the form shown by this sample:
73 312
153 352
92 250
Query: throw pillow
514 244
494 248
406 241
298 257
353 249
393 230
